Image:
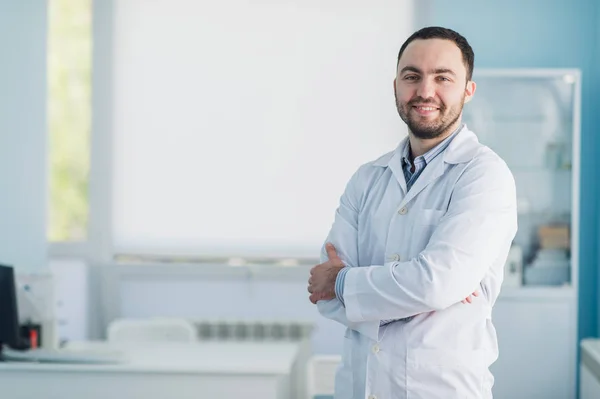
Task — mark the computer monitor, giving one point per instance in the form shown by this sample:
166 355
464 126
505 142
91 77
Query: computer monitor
9 316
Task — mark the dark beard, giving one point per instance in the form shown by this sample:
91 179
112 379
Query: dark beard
434 129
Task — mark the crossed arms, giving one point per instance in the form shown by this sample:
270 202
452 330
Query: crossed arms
475 231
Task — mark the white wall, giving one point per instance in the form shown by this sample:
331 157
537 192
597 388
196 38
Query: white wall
23 143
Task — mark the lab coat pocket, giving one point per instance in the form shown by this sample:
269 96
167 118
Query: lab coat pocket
425 222
428 217
448 374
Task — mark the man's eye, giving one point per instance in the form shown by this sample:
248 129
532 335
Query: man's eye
410 77
443 78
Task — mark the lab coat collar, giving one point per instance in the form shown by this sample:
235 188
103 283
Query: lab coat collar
461 149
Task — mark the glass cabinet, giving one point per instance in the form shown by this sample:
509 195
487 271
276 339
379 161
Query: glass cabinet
531 119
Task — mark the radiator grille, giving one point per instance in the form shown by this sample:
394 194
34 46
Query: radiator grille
253 330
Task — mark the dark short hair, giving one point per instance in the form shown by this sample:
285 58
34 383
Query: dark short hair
437 32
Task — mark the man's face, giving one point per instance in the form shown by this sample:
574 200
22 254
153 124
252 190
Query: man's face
431 87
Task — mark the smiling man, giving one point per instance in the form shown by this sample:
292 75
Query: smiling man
417 232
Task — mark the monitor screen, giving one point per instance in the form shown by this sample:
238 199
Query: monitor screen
9 317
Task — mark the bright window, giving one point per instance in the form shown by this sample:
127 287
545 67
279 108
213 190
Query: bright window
69 117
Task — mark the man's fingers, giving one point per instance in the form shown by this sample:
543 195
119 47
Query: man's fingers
313 299
331 253
310 289
469 299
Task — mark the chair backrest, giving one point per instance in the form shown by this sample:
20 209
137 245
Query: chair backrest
151 330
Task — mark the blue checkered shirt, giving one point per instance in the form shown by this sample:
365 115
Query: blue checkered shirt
412 171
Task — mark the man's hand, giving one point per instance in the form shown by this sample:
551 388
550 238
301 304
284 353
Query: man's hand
321 284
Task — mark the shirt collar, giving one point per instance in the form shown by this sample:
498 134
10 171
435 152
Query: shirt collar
427 156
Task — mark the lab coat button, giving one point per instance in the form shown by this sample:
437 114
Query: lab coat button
375 348
403 211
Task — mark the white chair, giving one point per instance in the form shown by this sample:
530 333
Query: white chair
151 330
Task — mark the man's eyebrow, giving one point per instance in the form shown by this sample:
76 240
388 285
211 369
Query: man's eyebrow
437 71
410 68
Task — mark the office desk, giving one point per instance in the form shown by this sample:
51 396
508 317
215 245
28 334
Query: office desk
156 371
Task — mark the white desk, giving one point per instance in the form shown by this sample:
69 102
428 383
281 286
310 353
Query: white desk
589 377
200 370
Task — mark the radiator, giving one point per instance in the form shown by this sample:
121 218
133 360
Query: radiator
253 330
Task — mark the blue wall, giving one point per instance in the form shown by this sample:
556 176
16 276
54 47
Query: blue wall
546 34
23 134
595 132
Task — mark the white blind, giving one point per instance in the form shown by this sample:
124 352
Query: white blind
237 124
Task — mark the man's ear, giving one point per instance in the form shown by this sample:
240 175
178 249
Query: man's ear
470 90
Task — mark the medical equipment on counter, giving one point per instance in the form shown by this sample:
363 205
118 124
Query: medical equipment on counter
9 320
549 267
36 309
551 264
14 348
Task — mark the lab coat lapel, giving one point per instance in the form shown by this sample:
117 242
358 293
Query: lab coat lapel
396 168
431 173
395 165
462 149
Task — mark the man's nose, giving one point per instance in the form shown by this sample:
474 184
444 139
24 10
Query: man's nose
426 89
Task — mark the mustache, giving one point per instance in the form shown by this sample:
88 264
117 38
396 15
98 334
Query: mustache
421 100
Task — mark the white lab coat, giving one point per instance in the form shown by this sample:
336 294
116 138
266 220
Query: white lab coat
419 254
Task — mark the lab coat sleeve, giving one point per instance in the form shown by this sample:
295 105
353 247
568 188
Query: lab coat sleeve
344 237
476 230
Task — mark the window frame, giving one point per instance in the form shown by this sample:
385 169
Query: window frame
98 244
